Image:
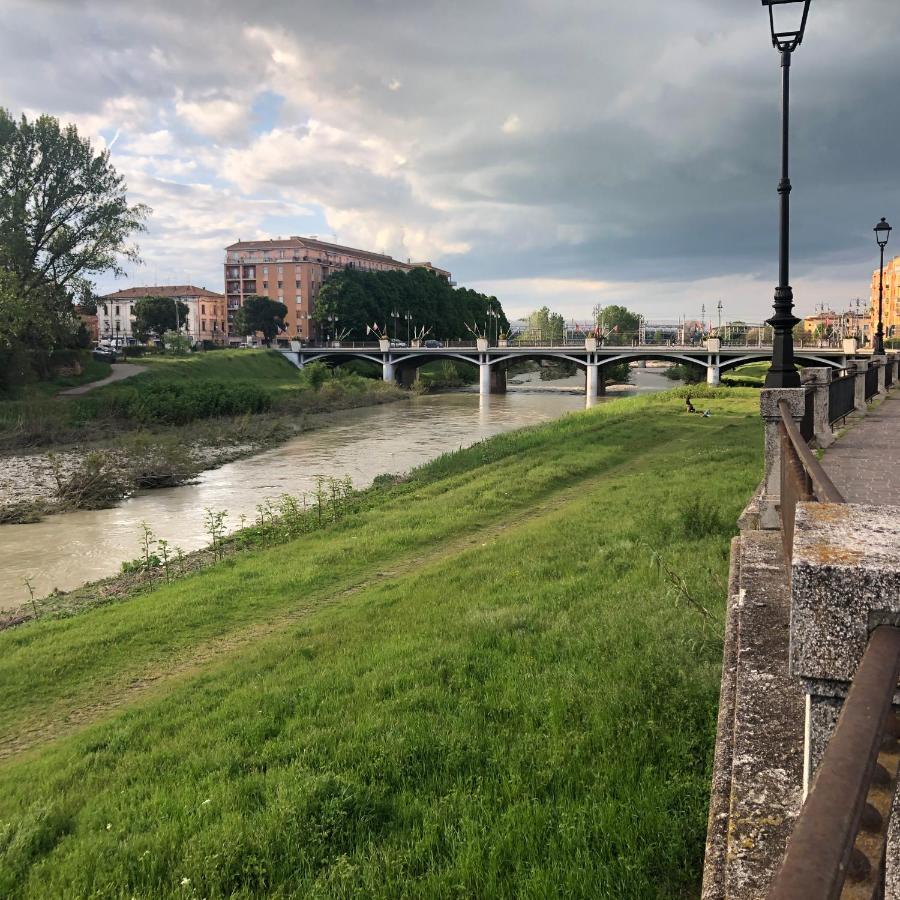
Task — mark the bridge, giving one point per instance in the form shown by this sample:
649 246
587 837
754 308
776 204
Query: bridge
401 363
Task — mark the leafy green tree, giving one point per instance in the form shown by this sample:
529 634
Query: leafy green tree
260 314
618 325
64 213
544 325
356 299
176 342
157 315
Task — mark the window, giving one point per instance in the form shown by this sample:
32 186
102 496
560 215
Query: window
297 284
265 270
117 309
280 285
281 270
265 285
203 324
203 308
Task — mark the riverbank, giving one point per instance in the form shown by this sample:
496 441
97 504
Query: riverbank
71 463
497 677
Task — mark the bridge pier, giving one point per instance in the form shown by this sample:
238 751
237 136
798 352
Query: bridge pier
407 375
484 379
387 370
498 378
713 369
592 380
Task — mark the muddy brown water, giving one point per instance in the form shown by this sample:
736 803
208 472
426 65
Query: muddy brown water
67 550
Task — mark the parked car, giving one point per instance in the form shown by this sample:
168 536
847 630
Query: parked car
397 343
433 345
105 353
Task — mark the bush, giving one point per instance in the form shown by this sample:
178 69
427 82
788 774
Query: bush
180 402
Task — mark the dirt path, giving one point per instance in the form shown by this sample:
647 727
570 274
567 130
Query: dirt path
120 372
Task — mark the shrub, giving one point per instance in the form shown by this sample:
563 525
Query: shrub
180 402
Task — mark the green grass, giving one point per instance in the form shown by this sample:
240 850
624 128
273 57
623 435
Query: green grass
266 368
480 685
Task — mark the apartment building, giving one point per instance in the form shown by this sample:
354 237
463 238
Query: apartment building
205 318
292 270
890 314
831 325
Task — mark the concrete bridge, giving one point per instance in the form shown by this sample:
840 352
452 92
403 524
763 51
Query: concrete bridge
402 363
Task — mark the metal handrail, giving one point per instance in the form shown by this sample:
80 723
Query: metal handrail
826 848
823 485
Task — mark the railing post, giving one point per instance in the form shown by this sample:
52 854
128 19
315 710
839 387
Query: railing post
817 379
880 362
768 405
893 359
845 582
859 367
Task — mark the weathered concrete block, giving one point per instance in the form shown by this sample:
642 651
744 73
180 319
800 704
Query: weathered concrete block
771 415
817 379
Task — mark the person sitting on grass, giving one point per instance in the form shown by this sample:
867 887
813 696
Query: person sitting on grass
690 406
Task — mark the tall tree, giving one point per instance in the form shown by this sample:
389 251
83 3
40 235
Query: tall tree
157 315
545 325
260 314
619 325
64 213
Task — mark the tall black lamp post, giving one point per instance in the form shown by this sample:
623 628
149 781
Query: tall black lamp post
786 37
882 233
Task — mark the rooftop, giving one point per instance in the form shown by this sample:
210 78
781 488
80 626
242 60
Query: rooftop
164 290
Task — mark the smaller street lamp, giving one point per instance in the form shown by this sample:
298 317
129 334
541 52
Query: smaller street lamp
882 233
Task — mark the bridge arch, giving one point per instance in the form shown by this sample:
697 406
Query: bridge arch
733 363
662 355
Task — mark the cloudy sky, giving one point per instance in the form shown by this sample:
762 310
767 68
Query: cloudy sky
566 152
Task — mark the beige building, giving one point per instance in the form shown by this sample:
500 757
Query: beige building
890 314
833 325
291 271
205 318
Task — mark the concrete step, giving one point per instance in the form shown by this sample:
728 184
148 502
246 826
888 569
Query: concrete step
758 767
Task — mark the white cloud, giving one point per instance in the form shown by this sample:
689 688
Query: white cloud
512 124
217 117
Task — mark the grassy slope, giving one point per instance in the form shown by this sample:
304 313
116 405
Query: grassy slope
480 685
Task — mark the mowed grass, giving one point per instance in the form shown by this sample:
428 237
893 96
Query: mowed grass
483 684
265 368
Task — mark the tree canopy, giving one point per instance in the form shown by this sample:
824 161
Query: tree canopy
157 315
618 325
545 325
260 314
360 299
64 217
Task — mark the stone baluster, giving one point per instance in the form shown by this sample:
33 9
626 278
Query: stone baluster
880 362
858 367
769 513
817 379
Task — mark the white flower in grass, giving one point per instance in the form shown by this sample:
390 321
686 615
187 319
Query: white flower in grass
185 882
109 826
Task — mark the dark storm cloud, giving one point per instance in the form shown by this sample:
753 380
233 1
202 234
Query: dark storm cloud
588 140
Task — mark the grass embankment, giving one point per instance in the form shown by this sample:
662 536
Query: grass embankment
484 683
749 375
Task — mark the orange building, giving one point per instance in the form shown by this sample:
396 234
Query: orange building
205 319
890 315
291 271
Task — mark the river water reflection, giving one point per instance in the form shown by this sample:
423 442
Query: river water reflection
64 551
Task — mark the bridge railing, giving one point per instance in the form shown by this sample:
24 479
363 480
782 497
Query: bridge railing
841 397
841 833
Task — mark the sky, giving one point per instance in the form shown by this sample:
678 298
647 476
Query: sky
559 152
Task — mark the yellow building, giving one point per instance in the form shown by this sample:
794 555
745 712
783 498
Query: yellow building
832 326
890 315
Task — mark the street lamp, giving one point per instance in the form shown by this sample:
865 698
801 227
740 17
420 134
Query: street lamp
787 33
882 233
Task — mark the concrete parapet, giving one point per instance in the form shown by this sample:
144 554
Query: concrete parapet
817 379
768 404
845 581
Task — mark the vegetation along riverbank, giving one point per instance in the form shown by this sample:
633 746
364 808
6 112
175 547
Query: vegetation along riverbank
160 428
496 677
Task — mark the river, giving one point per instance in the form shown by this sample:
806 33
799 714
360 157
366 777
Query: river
67 550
